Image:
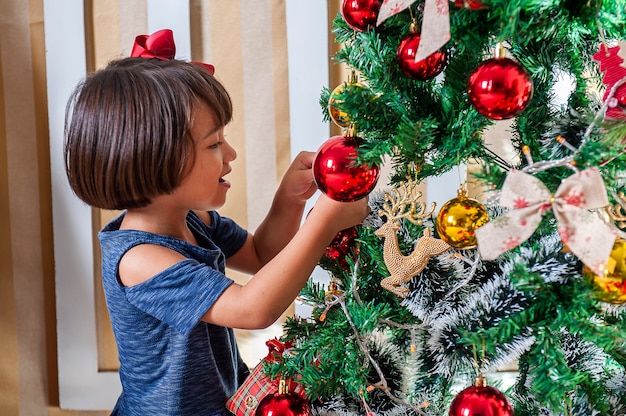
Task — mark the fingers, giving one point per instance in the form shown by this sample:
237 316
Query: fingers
304 160
342 214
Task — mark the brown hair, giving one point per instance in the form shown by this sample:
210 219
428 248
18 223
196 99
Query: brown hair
127 129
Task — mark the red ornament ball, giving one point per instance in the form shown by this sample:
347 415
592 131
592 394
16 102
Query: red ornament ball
425 69
360 15
500 88
470 4
337 175
480 401
289 404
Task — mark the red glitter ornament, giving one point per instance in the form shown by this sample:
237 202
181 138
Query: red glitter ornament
480 400
422 70
342 245
283 404
360 15
337 175
500 88
470 4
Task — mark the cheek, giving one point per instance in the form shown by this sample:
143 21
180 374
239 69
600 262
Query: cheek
209 164
211 172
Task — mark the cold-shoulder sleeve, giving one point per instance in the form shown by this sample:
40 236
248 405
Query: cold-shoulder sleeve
179 295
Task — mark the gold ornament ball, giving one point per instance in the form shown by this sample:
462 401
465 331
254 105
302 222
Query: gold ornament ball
611 287
458 219
340 117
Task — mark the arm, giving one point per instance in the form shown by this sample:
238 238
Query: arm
283 219
271 290
261 301
282 256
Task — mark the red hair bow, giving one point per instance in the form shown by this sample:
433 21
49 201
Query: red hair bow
160 45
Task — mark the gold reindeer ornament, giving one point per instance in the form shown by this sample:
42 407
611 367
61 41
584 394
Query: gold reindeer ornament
617 212
402 204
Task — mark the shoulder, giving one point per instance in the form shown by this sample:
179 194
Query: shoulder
143 261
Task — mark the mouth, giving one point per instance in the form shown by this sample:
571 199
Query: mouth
223 181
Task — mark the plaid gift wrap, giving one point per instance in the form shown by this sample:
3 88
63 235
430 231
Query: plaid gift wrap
258 385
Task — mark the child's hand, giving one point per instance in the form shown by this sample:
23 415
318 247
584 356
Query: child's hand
298 184
338 216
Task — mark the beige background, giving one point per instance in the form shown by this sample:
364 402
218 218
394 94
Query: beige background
28 365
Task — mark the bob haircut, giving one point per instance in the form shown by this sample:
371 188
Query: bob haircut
127 129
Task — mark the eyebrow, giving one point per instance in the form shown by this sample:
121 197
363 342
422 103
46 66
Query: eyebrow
210 132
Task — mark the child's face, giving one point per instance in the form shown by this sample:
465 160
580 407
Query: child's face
204 188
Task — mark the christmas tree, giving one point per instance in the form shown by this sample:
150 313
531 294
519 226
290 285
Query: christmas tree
426 303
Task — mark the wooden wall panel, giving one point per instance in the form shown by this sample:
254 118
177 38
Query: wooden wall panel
24 270
247 42
9 369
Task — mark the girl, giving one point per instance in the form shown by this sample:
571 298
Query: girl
147 136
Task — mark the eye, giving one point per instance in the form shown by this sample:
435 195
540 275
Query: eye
215 145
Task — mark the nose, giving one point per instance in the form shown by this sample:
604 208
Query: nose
230 153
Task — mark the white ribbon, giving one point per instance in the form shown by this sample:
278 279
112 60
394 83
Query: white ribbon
390 8
435 31
435 28
582 231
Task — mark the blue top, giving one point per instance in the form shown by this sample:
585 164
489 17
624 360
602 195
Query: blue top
171 362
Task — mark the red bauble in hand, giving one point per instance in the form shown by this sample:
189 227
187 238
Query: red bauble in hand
336 173
422 70
289 404
360 15
500 88
480 400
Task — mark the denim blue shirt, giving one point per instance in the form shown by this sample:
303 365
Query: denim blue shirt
171 362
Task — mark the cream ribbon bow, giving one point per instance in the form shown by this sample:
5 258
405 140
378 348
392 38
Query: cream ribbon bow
435 32
583 232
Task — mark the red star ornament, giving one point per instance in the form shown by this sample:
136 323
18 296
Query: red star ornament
613 64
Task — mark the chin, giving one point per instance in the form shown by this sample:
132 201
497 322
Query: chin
216 205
